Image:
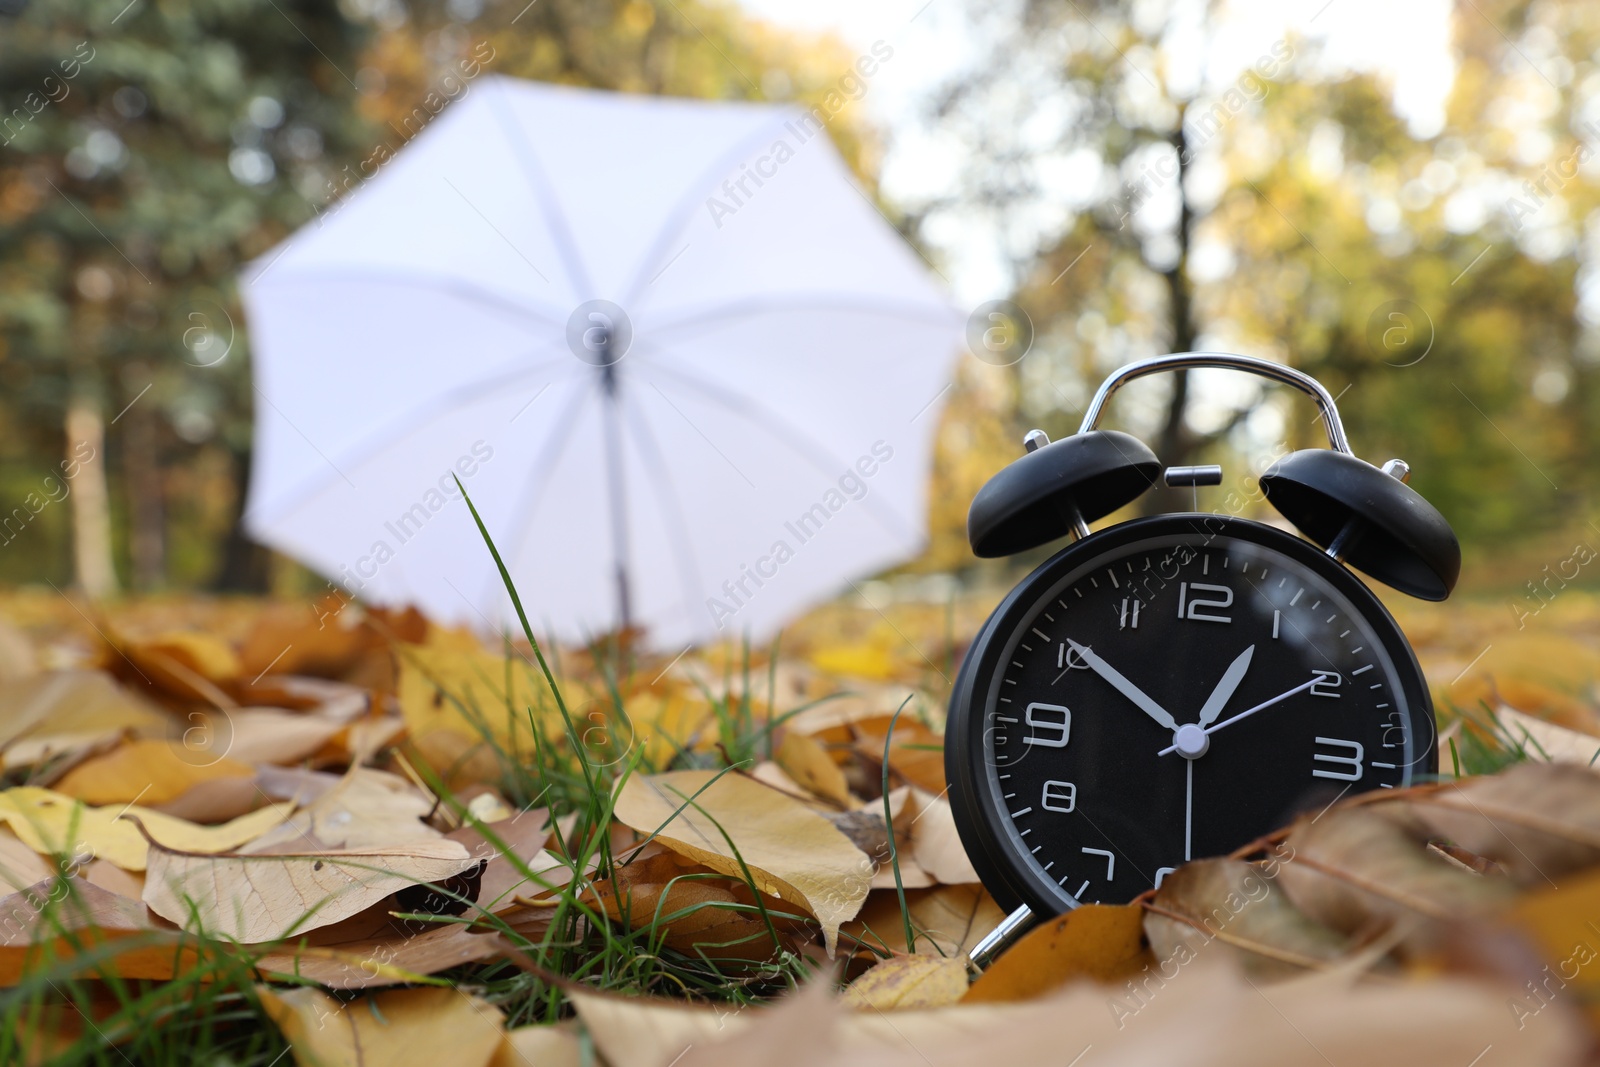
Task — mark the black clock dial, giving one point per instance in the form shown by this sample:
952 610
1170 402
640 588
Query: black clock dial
1169 689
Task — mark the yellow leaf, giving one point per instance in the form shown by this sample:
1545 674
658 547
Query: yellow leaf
51 823
423 1027
153 772
808 763
1101 942
56 920
950 919
1561 923
540 1046
452 682
906 982
63 711
263 898
792 852
366 809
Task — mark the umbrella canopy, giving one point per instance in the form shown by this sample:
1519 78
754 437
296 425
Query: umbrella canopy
685 370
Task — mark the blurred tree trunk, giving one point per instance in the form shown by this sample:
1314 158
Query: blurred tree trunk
92 568
246 566
147 511
1175 444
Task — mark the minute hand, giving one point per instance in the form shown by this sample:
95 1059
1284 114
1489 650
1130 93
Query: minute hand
1123 686
1302 687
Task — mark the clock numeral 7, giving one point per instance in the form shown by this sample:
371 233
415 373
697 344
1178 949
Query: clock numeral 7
1053 721
1200 608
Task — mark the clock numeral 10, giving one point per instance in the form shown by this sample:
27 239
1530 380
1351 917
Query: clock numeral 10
1059 796
1053 720
1351 763
1200 608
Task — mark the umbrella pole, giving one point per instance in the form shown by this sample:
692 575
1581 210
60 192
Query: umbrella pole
617 491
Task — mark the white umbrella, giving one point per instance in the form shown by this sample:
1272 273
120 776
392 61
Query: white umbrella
743 423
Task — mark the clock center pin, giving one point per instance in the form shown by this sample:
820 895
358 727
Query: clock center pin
1191 741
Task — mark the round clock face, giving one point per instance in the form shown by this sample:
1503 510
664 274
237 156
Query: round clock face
1168 689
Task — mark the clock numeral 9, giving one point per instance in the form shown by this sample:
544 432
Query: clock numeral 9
1053 720
1059 796
1200 608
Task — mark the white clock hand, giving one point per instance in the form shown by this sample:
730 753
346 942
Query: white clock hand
1226 687
1123 686
1302 687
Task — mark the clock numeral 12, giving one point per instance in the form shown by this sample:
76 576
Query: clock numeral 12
1351 763
1053 719
1200 608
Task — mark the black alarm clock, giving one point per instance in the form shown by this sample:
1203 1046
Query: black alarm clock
1176 686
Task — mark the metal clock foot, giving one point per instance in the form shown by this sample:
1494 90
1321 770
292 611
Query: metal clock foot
1002 937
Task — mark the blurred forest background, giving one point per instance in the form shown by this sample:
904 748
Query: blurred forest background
1443 282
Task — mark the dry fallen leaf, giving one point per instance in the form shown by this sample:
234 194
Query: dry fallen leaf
1237 905
253 899
791 852
425 1027
149 772
1101 942
366 809
51 823
187 664
1561 922
540 1046
699 911
916 755
386 957
60 919
950 919
935 845
810 766
71 711
1547 740
906 982
1206 1015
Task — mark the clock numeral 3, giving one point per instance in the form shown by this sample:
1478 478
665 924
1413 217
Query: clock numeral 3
1053 720
1200 608
1059 796
1351 763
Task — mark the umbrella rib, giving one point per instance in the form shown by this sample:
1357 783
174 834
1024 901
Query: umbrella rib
539 182
454 286
411 419
678 214
649 453
764 418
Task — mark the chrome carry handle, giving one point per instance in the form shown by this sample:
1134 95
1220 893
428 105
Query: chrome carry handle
1263 368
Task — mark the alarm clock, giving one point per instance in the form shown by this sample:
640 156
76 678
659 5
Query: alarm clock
1173 687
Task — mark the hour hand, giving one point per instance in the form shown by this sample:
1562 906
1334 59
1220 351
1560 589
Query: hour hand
1123 686
1225 688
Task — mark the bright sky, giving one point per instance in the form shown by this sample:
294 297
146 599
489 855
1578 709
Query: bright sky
1407 41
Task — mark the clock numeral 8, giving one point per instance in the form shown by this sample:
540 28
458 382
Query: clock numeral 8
1059 796
1053 719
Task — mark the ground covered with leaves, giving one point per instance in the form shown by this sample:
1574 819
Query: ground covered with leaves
243 831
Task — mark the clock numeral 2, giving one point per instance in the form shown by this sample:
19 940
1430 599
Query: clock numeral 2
1326 684
1053 719
1059 796
1200 608
1351 763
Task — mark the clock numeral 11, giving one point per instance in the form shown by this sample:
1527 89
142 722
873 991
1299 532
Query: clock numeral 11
1126 619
